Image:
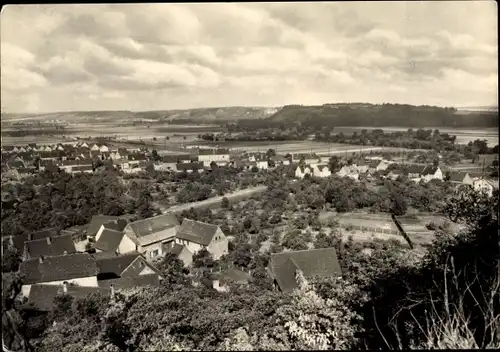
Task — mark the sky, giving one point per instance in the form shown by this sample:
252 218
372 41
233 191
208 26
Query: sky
179 56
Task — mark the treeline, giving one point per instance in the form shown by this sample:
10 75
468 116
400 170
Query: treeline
410 139
36 132
332 115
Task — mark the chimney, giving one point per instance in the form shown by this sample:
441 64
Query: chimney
49 241
65 252
40 259
65 287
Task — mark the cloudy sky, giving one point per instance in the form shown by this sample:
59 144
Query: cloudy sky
168 56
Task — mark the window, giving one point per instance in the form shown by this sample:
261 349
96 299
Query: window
154 253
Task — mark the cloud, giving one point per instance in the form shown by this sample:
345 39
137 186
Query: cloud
161 56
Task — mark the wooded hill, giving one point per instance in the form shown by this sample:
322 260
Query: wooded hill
384 115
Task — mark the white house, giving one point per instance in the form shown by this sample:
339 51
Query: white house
301 171
219 156
94 148
482 185
197 235
432 173
350 171
361 166
461 178
321 170
103 149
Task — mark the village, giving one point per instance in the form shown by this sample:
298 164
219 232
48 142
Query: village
112 253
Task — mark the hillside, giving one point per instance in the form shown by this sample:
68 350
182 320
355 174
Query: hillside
384 115
189 115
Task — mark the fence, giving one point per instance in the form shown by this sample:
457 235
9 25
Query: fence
371 229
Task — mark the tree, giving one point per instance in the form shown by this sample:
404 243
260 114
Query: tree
225 203
10 260
334 164
399 205
203 259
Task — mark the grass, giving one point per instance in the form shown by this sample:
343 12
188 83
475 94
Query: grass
450 329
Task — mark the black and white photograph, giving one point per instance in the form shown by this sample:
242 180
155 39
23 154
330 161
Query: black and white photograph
250 176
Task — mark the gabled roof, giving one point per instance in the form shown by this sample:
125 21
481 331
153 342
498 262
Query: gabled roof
457 176
196 231
116 225
430 170
58 268
136 157
114 266
97 221
177 249
415 169
131 282
213 151
109 240
374 163
50 246
42 234
151 225
316 262
137 266
42 296
321 167
233 275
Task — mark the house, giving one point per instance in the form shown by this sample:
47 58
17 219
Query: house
94 148
306 158
77 268
219 156
88 169
432 173
231 275
378 165
196 235
167 163
283 267
189 167
131 282
49 246
17 242
362 166
122 266
460 178
43 296
350 171
301 171
96 224
321 170
483 185
395 174
415 171
182 253
113 241
280 160
103 149
154 236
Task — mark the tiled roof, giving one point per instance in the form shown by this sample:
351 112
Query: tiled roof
58 268
177 249
189 166
109 240
196 231
137 157
131 282
50 246
415 169
117 225
42 234
234 275
317 262
97 221
42 296
114 266
137 266
151 225
457 176
429 170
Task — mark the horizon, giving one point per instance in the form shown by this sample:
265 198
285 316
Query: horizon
490 107
154 57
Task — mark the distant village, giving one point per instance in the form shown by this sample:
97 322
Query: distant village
82 157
